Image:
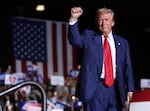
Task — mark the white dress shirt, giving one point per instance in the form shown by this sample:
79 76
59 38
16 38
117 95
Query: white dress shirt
113 53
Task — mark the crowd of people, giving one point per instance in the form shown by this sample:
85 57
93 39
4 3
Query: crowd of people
60 96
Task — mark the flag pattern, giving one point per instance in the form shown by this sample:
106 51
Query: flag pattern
44 43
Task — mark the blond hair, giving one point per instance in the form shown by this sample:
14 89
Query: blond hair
104 11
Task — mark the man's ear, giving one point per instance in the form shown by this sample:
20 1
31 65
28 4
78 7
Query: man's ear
113 23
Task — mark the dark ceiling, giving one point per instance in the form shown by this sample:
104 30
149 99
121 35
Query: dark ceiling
128 12
60 8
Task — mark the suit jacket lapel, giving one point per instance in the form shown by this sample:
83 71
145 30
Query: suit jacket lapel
98 41
118 49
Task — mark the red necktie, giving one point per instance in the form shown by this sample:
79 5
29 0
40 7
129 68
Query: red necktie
109 80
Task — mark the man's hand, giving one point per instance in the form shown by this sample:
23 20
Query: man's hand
129 97
76 12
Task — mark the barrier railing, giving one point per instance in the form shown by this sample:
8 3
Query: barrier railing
22 84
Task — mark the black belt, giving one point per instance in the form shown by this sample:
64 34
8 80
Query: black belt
103 80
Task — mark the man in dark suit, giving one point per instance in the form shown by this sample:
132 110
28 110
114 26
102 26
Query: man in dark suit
91 88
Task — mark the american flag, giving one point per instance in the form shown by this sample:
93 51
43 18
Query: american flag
44 43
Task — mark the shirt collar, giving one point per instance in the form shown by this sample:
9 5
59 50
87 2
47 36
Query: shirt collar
109 35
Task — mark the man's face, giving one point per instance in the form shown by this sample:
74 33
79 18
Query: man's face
105 22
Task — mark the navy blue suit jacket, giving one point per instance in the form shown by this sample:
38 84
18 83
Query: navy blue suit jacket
92 61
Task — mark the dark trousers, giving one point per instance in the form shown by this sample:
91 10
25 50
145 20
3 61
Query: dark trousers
104 99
